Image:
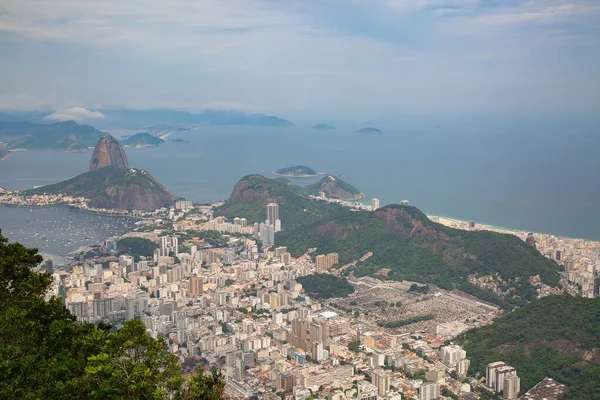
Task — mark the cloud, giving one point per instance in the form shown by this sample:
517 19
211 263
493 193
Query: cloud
74 114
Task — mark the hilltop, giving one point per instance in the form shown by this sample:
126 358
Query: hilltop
370 131
142 139
334 188
415 248
114 188
556 336
323 127
4 152
111 184
297 171
252 193
108 153
67 136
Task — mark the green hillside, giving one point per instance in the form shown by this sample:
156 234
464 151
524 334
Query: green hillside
142 139
414 248
252 193
334 188
114 188
556 336
301 171
68 136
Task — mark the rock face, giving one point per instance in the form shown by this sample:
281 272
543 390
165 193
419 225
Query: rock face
108 153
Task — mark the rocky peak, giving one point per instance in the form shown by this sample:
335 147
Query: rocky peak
108 153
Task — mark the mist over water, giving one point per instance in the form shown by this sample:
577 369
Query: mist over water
537 174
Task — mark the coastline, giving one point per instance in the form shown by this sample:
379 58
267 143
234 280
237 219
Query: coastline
76 209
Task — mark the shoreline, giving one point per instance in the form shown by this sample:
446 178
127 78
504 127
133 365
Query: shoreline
75 209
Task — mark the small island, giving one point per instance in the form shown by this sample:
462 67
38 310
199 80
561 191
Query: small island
297 171
322 127
142 139
179 141
370 131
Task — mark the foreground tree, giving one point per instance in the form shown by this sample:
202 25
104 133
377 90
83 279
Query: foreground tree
45 353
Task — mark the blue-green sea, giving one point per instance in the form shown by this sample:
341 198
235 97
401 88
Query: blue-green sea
536 173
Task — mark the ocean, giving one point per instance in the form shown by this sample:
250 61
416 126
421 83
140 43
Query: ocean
536 173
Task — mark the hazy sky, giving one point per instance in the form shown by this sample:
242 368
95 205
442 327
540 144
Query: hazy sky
292 58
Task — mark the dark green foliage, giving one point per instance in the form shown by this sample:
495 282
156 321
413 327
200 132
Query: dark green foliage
325 286
45 354
297 170
137 247
68 135
142 139
407 321
333 188
252 193
547 337
415 248
419 289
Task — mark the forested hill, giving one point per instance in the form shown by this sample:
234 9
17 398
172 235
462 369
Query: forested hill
252 193
556 336
415 248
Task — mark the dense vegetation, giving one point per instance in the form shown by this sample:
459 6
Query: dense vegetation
334 188
142 139
414 248
252 193
296 170
112 187
61 135
407 321
555 336
419 289
46 354
325 286
137 247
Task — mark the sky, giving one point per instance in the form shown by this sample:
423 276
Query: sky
297 57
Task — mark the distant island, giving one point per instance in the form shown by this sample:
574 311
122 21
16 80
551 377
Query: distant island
297 171
322 127
370 131
179 141
142 139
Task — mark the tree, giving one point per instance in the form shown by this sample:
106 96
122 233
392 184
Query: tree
45 353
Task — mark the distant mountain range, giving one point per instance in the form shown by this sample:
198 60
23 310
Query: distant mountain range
158 118
68 136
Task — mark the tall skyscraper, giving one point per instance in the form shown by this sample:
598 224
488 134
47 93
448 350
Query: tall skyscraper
512 386
273 212
374 204
382 381
196 285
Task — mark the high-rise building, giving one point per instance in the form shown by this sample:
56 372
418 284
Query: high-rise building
512 386
277 225
429 391
273 212
462 367
49 266
196 285
321 263
382 381
332 259
501 374
374 204
452 354
490 373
